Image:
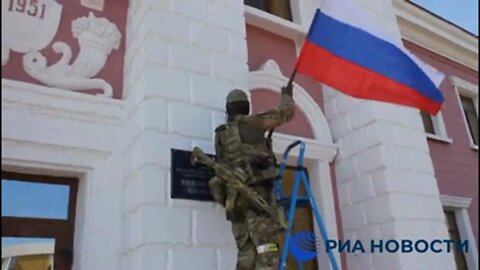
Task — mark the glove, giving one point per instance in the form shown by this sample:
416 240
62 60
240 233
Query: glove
288 89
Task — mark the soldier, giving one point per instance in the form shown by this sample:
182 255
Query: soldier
241 144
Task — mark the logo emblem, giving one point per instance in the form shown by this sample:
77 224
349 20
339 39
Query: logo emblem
303 246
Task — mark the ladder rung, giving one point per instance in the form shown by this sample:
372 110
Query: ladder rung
301 202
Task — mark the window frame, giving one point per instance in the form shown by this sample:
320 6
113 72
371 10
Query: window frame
439 128
62 231
470 90
267 11
459 206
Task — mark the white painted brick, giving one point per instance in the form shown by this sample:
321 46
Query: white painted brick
155 113
138 65
210 92
412 139
346 103
413 120
165 82
395 180
353 216
157 4
379 132
168 25
154 148
229 68
371 159
210 37
165 225
133 195
346 169
133 237
153 182
226 17
190 58
341 126
156 49
424 229
131 261
367 233
193 9
208 221
361 189
360 260
237 5
330 110
152 257
189 120
415 206
343 196
329 94
193 258
386 260
397 156
390 112
353 143
422 162
218 118
228 258
362 114
379 210
237 45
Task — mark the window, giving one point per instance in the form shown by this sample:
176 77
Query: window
38 220
459 227
280 8
467 94
454 235
468 106
435 127
427 123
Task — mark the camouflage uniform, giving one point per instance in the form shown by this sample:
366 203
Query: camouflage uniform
241 145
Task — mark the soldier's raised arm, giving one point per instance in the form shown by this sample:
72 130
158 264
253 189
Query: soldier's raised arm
275 117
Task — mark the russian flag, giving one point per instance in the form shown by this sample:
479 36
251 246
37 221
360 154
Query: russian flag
345 50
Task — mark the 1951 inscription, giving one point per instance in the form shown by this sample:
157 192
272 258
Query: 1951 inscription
189 181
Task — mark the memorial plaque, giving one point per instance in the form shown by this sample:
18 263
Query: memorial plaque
189 181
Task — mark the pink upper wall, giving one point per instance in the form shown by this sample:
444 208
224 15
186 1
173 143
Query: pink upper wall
456 164
263 45
263 99
114 10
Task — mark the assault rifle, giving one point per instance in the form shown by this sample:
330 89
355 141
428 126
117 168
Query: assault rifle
236 181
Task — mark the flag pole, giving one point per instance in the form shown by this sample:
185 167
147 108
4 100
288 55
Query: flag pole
289 84
292 77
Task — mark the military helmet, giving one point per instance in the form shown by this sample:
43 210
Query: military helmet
236 95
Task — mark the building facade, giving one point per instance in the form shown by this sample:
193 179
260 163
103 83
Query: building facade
96 94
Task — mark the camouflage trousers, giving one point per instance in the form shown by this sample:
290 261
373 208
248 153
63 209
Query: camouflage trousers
256 238
255 232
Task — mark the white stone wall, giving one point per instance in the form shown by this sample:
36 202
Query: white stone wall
386 183
182 59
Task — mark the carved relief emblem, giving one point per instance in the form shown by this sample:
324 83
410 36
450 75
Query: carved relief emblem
29 25
97 37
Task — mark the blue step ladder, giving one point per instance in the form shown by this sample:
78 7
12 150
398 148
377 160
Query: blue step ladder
294 201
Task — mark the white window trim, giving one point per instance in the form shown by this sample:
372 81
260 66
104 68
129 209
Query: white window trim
459 205
439 129
467 89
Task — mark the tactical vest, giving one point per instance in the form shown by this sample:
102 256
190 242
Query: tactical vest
245 147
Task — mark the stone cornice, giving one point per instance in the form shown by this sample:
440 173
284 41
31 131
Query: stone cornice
427 30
